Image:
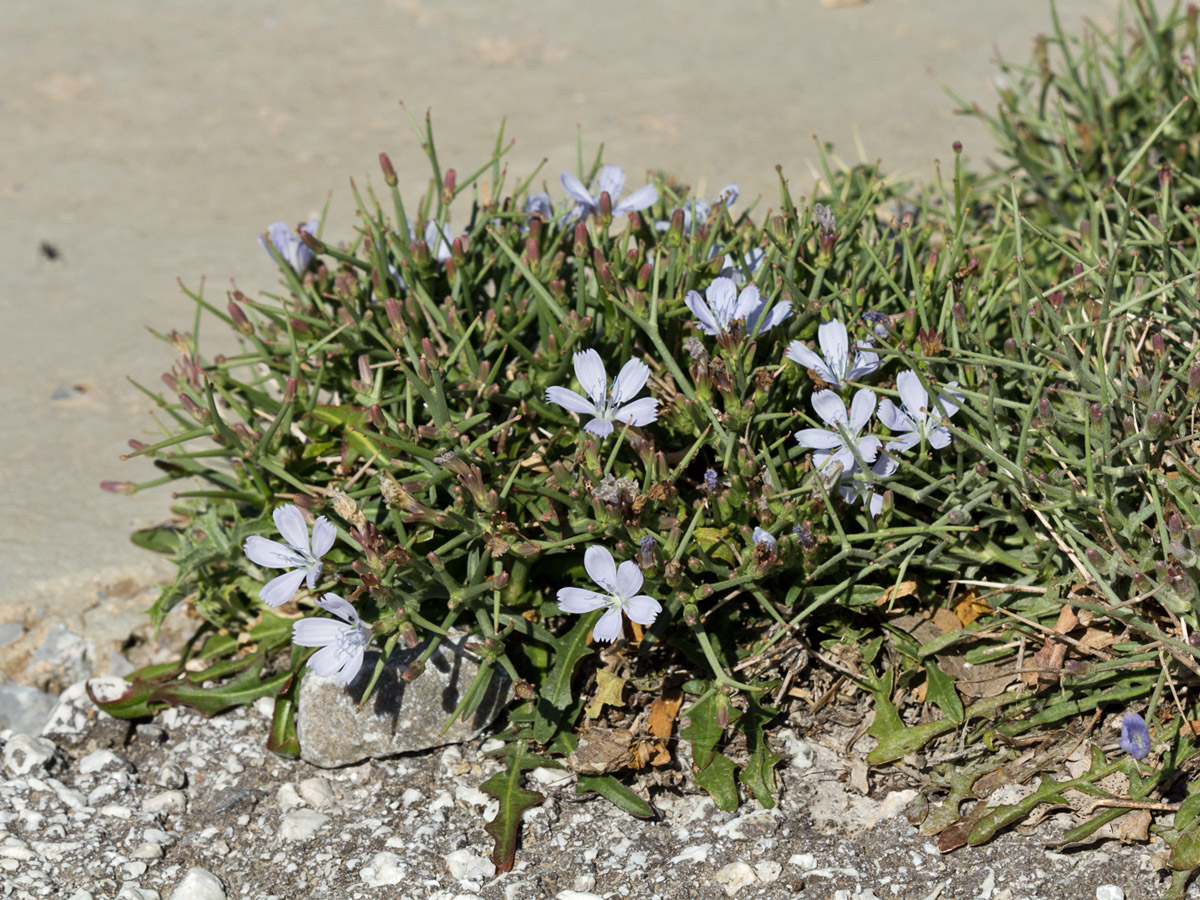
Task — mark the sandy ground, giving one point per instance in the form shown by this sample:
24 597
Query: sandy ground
153 139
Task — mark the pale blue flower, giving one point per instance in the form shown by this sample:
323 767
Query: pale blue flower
539 205
710 480
722 305
856 483
288 245
837 445
611 179
697 210
621 586
342 644
1135 736
296 555
915 421
751 263
607 406
837 364
762 536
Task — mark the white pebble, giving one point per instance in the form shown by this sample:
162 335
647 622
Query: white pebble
301 825
767 871
166 801
172 776
471 795
116 811
147 851
735 876
133 892
134 869
317 792
411 796
467 866
385 868
24 754
1109 892
695 853
157 836
81 894
100 759
802 755
199 884
576 895
552 778
288 797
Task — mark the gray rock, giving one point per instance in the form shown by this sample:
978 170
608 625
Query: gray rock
199 884
400 716
24 708
10 631
24 754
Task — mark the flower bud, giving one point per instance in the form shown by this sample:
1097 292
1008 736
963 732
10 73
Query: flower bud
1143 387
1193 388
524 690
199 413
364 370
1096 413
1157 425
1157 345
240 320
416 670
118 487
1046 410
449 182
1010 348
389 173
1094 557
960 315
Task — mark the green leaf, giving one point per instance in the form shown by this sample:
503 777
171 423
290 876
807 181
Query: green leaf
616 793
1185 855
158 539
282 739
1188 810
897 743
718 779
506 787
941 691
241 691
759 772
556 689
702 730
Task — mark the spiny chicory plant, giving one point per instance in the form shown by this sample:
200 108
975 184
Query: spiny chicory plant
969 394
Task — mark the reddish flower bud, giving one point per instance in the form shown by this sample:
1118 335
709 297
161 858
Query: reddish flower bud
389 173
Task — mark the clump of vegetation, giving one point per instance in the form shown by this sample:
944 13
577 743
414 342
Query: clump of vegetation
642 446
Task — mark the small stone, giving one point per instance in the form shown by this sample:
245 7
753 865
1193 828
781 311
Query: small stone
172 776
199 884
735 876
464 865
166 802
401 717
134 869
157 836
552 778
147 851
150 733
316 792
81 894
767 871
385 868
577 895
24 754
1110 892
133 892
116 811
288 797
98 760
301 825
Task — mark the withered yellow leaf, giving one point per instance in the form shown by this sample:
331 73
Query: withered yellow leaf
609 688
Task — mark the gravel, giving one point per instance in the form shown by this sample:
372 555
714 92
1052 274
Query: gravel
195 809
